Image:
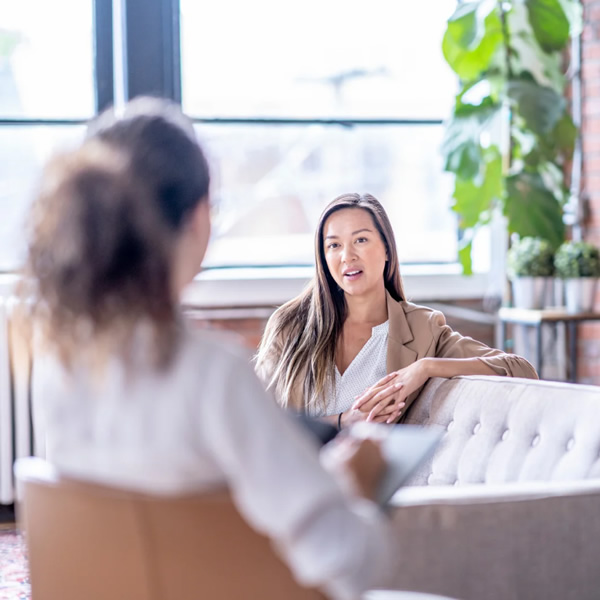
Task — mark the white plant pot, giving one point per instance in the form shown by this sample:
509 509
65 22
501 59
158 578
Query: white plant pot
580 294
531 292
557 293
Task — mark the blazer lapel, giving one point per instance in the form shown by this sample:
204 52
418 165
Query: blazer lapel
399 334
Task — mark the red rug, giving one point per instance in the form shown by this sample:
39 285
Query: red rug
14 575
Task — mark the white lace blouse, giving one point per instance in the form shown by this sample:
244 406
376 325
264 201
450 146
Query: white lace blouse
368 366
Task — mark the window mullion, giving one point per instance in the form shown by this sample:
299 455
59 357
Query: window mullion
103 54
152 52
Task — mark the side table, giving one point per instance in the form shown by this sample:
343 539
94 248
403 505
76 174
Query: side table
535 318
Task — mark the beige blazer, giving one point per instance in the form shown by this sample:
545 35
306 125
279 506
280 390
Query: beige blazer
417 332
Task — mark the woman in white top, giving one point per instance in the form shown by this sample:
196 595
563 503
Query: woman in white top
133 396
350 347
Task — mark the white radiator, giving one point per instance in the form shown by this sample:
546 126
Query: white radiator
16 431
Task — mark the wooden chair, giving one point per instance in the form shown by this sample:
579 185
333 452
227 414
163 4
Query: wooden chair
98 543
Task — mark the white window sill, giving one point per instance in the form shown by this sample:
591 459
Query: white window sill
254 287
273 286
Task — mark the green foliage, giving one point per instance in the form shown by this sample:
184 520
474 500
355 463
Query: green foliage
532 209
9 40
530 257
472 38
577 259
507 55
549 23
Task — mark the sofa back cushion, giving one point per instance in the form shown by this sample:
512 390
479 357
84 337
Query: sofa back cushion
507 429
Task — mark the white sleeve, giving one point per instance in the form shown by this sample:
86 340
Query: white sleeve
342 545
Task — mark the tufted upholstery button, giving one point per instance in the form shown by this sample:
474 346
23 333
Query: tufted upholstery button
505 435
450 426
570 444
477 428
535 441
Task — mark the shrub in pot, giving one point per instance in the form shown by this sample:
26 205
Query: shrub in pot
530 268
578 264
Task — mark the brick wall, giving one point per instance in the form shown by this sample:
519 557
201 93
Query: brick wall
589 337
248 323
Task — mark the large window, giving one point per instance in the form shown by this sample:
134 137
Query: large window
299 102
46 92
296 103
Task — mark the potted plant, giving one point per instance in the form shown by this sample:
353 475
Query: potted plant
578 264
510 135
530 268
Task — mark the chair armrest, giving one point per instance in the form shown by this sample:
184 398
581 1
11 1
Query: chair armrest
521 541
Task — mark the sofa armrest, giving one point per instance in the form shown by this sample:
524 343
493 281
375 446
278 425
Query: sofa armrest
498 542
492 492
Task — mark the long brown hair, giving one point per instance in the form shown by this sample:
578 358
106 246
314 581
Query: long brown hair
102 233
299 346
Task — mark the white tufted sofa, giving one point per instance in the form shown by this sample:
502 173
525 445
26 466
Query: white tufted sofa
508 507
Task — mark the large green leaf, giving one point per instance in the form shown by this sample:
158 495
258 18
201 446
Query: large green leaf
464 160
540 106
461 146
464 25
464 256
467 23
574 13
9 40
465 105
473 202
564 135
532 210
549 23
555 146
470 60
548 67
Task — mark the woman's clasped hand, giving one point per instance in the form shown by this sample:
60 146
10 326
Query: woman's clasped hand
384 401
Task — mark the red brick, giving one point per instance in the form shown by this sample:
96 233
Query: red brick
591 106
591 144
591 50
589 331
590 125
592 233
590 70
591 12
591 167
591 182
591 86
591 89
592 222
248 331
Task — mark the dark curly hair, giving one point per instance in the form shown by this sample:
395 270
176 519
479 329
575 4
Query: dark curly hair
102 232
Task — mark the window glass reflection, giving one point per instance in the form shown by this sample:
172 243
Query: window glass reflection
46 59
271 184
23 152
310 59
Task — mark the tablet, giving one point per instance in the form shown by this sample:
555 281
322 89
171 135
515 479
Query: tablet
404 447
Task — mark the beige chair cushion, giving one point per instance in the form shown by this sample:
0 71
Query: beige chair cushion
95 543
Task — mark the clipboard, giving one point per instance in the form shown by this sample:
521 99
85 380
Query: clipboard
404 448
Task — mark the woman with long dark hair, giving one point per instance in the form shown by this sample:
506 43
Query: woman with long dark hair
131 395
350 347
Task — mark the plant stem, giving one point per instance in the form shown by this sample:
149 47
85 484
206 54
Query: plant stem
509 77
506 38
